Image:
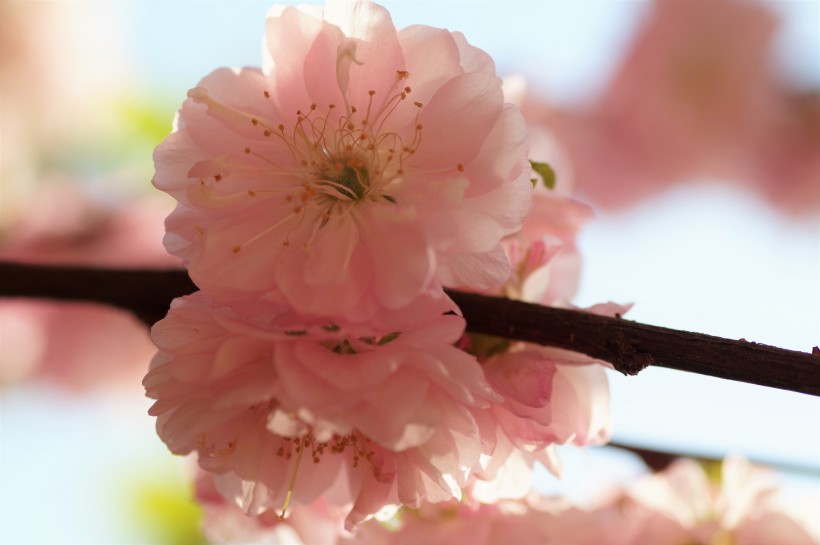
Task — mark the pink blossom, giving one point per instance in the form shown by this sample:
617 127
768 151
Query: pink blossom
361 168
678 506
551 396
785 161
360 415
65 225
40 44
73 345
546 403
743 508
545 261
689 98
223 522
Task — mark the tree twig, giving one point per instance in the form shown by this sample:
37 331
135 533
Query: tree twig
629 346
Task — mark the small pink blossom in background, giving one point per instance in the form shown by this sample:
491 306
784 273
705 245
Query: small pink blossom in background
385 418
681 506
744 508
692 94
64 225
361 168
677 506
56 84
786 161
79 346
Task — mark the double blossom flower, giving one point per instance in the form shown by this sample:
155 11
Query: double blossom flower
324 202
360 169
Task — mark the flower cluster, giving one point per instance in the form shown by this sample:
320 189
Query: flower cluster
695 97
731 503
324 202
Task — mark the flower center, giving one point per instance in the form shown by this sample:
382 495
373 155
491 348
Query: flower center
350 176
328 161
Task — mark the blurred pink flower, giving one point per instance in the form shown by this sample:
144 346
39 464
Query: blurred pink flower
678 506
73 345
743 508
40 43
359 169
65 225
785 159
691 95
460 523
379 416
224 523
682 505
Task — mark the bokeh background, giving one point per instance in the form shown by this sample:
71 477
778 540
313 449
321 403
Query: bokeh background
712 226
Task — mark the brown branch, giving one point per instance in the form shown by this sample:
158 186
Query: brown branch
631 346
628 345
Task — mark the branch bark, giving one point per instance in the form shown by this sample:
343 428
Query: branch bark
628 345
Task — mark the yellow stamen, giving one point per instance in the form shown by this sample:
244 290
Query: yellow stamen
299 450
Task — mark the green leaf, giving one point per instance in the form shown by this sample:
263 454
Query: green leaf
546 172
389 337
484 346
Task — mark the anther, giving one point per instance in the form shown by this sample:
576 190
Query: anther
236 249
407 89
371 92
460 167
247 150
267 94
281 127
218 177
418 104
254 121
266 133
